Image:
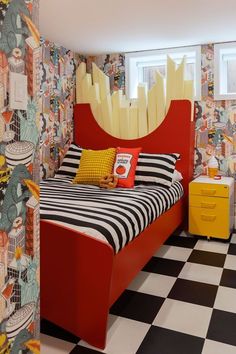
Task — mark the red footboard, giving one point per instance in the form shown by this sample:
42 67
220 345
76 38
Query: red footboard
75 282
82 278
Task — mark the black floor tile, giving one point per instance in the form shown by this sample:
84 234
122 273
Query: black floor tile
194 292
207 258
164 266
83 350
163 341
232 249
187 242
222 327
137 306
228 278
53 330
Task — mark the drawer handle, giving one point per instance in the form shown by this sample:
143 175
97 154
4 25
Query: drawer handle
208 217
208 205
208 191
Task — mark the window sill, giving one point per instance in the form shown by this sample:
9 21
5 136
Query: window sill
225 96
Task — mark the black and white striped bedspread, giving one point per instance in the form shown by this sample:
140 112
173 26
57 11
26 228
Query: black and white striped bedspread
116 216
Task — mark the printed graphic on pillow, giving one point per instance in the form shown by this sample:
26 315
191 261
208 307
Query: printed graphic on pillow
123 165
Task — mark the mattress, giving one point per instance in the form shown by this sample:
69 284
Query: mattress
115 216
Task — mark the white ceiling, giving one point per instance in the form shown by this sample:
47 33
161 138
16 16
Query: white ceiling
106 26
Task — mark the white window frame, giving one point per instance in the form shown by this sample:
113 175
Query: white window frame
133 59
220 77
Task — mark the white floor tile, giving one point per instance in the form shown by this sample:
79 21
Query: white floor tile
173 252
233 238
153 284
124 336
201 273
230 262
226 299
212 347
184 317
212 246
51 345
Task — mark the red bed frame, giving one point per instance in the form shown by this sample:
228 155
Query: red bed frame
81 277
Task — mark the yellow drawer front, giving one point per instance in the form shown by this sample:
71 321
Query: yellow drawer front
210 190
215 204
209 221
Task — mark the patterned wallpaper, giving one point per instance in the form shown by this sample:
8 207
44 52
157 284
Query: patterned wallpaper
215 123
57 88
215 120
19 174
113 66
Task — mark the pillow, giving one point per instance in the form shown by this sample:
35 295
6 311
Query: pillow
94 165
125 166
177 176
70 162
155 169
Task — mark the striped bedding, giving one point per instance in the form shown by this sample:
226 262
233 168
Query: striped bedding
116 216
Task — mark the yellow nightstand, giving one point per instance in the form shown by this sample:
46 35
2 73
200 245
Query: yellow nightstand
211 207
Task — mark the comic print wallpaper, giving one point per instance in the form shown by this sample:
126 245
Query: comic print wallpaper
113 66
20 55
215 123
57 92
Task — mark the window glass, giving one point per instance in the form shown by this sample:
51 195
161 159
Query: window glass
225 71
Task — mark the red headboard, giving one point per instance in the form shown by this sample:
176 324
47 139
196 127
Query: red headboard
175 134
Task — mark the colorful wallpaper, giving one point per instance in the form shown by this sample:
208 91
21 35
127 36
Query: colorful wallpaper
113 66
215 120
20 55
215 123
57 89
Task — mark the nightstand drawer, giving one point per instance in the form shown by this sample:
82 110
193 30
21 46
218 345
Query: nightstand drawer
208 222
214 204
210 190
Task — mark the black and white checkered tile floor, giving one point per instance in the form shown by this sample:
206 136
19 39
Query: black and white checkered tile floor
182 302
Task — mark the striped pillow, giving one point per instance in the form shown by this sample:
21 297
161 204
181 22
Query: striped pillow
155 169
70 162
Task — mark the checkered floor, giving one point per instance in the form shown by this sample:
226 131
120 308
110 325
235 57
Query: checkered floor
182 302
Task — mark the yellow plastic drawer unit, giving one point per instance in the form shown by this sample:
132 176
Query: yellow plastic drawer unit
211 207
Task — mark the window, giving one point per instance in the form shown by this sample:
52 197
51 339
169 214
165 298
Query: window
225 71
141 67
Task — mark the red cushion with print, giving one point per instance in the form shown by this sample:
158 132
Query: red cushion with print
125 166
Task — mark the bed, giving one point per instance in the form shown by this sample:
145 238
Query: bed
81 276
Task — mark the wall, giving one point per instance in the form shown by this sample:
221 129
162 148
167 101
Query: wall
57 92
113 65
19 174
215 123
215 120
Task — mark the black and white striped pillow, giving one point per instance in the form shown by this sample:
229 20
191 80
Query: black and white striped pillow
70 162
155 169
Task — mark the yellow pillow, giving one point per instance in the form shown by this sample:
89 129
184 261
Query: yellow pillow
94 165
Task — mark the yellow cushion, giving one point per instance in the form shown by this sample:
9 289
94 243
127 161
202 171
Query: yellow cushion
94 165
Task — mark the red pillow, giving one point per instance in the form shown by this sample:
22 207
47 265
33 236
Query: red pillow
125 166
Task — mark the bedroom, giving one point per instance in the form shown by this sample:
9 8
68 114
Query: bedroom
183 298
